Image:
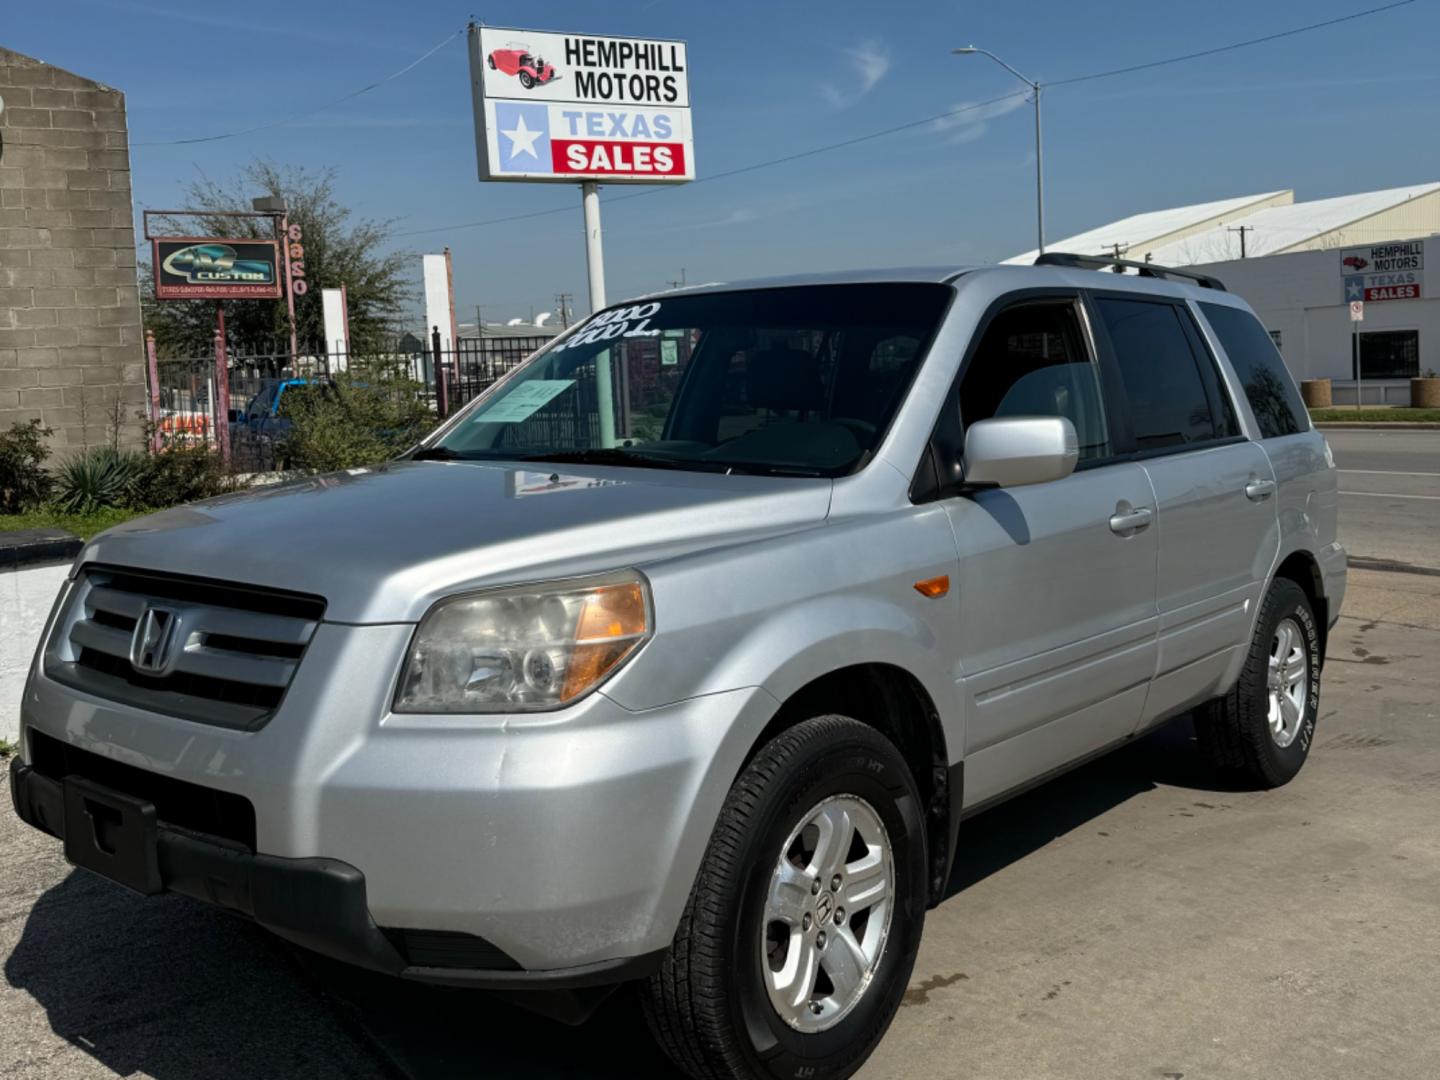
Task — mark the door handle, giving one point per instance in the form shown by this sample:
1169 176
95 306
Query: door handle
1126 522
1257 490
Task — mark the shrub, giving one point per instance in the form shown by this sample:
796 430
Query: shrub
24 483
180 474
97 478
358 418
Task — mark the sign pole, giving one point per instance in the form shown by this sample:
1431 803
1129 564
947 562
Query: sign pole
1357 314
595 265
289 287
222 384
1359 364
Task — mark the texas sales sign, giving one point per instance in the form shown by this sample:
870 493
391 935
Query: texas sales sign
574 107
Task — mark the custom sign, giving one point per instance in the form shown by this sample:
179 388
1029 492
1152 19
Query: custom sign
216 268
1392 271
567 107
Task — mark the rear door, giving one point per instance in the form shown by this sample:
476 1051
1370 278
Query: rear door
1214 492
1056 641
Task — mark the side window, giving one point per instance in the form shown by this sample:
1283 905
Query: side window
1033 361
1161 374
1260 368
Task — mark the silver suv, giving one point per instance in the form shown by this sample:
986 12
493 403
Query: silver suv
680 655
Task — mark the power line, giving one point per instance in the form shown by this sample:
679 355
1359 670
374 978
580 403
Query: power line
771 162
311 112
1228 48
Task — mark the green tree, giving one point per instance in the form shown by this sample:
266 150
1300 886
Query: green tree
339 249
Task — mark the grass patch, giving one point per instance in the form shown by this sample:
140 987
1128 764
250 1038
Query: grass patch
82 525
7 748
1394 415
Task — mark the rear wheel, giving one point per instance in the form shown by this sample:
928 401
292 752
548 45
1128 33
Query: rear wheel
1260 733
491 61
802 928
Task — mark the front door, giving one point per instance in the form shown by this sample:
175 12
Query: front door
1056 581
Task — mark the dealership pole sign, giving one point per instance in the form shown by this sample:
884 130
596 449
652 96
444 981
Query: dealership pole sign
1393 271
580 107
216 268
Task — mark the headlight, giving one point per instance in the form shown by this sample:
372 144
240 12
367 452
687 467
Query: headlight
524 648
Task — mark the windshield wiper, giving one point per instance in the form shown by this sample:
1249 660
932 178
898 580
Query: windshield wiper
602 455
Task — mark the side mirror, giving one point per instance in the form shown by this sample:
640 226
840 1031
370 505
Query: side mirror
1011 451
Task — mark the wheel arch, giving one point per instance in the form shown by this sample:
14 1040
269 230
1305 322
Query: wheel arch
1303 569
895 702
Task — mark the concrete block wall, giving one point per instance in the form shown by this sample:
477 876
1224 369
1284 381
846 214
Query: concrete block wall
71 345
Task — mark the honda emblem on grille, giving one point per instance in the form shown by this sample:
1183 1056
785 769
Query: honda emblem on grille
153 642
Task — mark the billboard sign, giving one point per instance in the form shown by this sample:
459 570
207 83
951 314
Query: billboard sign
568 107
216 268
1393 271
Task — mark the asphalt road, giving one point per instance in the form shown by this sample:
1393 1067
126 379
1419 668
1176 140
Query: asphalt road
1389 494
1131 919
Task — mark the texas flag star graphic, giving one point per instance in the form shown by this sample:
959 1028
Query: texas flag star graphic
524 142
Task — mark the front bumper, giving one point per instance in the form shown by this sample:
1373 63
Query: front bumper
316 903
566 840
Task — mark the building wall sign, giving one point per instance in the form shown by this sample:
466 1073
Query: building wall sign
216 268
1392 271
568 107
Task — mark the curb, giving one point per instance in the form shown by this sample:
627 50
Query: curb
34 547
1376 425
1390 566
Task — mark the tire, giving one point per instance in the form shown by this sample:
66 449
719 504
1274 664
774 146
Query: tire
491 61
710 1004
527 80
1236 731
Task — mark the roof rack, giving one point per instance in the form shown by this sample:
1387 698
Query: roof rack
1144 269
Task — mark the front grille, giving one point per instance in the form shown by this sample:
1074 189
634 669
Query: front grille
233 651
449 949
177 802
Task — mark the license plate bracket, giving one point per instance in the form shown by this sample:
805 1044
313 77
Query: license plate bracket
113 835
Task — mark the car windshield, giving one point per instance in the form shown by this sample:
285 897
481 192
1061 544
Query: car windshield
796 381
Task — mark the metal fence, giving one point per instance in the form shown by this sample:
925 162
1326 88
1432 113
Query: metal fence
242 419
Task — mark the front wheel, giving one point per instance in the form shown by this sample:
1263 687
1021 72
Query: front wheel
801 931
527 80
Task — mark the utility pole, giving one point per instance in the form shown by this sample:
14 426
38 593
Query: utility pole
562 301
1242 230
1035 89
479 323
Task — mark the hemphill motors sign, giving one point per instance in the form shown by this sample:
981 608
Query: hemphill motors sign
568 107
1392 271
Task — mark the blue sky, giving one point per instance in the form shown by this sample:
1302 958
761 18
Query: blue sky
1344 109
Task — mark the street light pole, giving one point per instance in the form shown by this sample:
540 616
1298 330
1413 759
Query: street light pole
1039 145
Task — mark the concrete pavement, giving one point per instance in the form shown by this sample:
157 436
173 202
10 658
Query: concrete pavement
1128 920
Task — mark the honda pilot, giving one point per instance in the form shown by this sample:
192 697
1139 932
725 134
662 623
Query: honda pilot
680 656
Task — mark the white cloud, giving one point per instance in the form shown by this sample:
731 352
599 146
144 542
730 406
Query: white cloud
973 122
869 61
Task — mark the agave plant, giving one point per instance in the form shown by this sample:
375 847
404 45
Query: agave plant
97 478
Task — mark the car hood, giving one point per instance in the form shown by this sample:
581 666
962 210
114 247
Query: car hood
381 545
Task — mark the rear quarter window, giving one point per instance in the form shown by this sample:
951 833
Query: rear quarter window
1268 387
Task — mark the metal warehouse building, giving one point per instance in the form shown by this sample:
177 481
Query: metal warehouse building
1300 264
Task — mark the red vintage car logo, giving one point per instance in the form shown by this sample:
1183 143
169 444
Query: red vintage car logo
1355 262
531 70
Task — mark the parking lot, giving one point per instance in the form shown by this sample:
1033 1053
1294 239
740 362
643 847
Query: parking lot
1128 920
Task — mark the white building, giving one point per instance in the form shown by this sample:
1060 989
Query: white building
1304 298
1302 263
